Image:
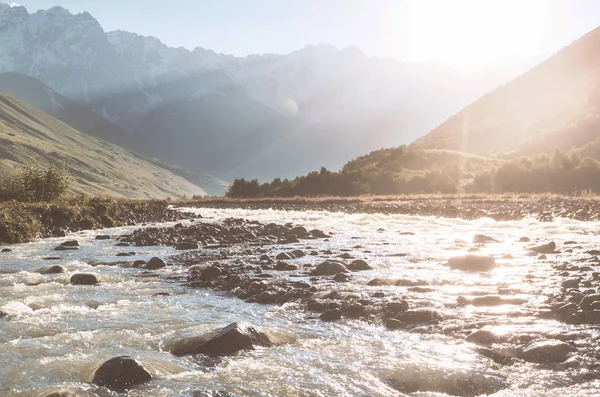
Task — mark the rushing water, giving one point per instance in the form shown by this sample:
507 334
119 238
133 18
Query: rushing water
56 332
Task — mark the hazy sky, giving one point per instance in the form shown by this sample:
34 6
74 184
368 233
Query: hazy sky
462 32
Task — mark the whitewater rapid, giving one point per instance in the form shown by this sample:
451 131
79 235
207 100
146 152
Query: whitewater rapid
56 332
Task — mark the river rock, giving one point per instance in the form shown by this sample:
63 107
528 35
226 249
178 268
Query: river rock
586 302
223 341
139 263
392 323
155 264
330 268
6 250
472 263
187 245
419 316
331 315
483 239
397 307
284 256
84 279
319 233
591 317
298 253
342 278
121 373
546 352
299 231
66 248
543 248
571 283
70 243
56 269
359 265
103 237
482 337
209 273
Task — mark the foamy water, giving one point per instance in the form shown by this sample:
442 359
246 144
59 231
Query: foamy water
56 333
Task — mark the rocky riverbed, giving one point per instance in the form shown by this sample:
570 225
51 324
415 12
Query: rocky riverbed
542 208
242 302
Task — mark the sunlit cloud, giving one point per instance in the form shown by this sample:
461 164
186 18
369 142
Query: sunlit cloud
13 4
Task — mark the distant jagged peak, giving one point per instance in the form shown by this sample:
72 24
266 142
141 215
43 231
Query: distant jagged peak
117 37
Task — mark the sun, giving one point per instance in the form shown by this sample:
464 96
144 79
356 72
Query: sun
474 32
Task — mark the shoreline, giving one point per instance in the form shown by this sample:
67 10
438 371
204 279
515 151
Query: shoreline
27 222
544 208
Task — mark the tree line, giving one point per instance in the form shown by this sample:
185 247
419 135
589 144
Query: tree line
385 172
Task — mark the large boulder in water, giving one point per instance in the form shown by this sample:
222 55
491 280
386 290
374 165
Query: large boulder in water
548 351
121 373
84 279
223 341
472 263
155 264
330 268
359 265
544 248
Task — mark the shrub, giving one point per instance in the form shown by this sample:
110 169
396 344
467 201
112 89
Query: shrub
34 183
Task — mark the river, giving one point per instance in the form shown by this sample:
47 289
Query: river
56 333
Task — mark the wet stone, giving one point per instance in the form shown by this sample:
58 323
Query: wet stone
587 301
57 269
330 268
84 279
483 239
392 323
547 248
397 307
331 315
342 278
358 265
482 337
154 264
223 341
545 352
186 245
121 373
419 316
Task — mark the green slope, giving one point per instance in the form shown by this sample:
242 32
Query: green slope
98 167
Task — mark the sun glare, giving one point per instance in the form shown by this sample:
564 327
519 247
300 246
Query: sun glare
474 32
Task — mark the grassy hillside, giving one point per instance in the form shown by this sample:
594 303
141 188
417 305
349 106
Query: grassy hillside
70 112
554 105
28 135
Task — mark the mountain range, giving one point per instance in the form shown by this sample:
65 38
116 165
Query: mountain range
256 116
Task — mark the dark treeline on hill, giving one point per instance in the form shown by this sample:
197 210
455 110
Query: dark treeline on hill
407 170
